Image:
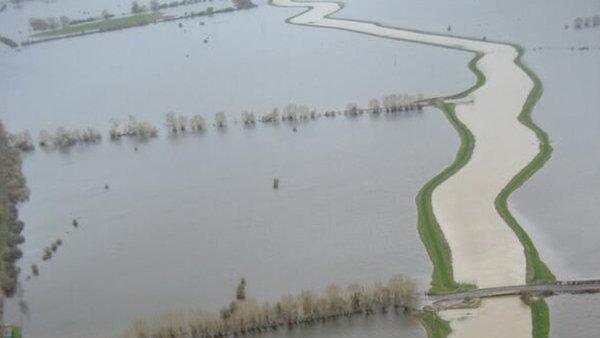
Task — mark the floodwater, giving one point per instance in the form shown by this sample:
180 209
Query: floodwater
184 218
574 316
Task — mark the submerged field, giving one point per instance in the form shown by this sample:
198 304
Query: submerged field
199 210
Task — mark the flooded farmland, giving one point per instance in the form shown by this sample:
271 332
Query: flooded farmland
184 218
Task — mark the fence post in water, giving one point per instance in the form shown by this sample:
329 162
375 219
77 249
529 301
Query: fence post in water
276 183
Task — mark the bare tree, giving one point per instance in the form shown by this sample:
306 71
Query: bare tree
374 106
220 119
197 123
248 118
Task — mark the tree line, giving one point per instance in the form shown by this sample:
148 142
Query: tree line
13 190
179 124
246 316
587 22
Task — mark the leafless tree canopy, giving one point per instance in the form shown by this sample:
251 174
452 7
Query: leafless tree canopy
63 138
221 119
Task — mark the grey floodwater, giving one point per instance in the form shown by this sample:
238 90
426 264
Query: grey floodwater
574 316
184 218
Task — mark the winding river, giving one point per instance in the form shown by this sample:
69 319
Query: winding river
485 251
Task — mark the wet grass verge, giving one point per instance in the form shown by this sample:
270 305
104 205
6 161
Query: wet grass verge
103 25
540 319
537 271
434 325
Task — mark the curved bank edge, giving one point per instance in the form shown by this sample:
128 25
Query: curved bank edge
442 279
537 270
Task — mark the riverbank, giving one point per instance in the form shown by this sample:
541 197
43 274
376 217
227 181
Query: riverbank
429 229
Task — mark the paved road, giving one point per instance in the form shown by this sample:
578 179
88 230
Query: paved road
558 287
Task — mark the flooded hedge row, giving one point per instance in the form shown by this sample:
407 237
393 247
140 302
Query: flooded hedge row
246 316
180 124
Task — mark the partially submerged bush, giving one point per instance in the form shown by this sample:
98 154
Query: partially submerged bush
374 106
248 118
197 123
133 128
21 141
294 112
220 120
47 254
394 103
63 138
352 110
176 123
271 117
35 270
54 246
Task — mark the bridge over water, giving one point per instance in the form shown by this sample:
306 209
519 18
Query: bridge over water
561 287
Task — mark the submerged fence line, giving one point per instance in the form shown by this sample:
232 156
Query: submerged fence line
246 316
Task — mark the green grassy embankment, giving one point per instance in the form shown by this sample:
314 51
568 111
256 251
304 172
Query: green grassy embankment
537 271
540 319
433 237
429 230
103 25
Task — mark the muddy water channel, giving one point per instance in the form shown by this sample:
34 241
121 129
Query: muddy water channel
184 218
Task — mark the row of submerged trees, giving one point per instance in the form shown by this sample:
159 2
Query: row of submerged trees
178 124
246 316
13 190
587 22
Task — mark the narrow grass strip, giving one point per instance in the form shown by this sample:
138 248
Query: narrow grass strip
540 319
110 24
442 279
537 271
434 325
